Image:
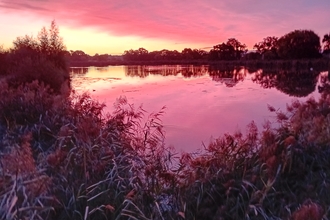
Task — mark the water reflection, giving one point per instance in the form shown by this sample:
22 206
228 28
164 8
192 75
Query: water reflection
79 70
228 77
201 101
102 69
166 70
194 71
292 83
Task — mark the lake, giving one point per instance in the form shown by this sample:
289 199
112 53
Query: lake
202 102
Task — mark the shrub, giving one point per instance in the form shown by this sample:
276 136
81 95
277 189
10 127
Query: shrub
39 59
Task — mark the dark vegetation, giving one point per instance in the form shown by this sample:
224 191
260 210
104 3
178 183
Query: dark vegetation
296 45
61 157
36 59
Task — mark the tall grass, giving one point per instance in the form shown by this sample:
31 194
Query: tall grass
62 157
96 165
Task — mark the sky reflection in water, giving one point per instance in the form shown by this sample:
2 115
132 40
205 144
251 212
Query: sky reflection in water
201 102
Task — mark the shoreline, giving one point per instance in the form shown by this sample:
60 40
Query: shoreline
322 64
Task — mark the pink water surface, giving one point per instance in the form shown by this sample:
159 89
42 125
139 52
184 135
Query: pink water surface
198 108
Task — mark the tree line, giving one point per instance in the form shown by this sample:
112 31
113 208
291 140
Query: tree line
298 44
79 55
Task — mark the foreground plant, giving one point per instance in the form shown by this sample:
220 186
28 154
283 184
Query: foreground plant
279 173
63 158
96 165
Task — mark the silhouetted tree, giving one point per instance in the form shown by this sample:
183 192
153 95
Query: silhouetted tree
299 44
268 43
44 45
326 42
222 52
42 58
240 48
267 47
3 61
160 55
79 55
67 54
102 57
25 43
153 55
214 54
202 54
55 41
231 50
166 55
195 54
174 55
252 56
187 54
48 43
169 55
143 54
136 55
130 55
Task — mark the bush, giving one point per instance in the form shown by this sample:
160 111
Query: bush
39 59
38 68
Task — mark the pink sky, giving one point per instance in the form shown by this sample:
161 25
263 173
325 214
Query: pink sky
109 26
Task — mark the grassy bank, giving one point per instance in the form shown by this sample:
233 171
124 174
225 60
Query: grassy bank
62 157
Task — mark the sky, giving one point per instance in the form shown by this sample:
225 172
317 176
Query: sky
113 26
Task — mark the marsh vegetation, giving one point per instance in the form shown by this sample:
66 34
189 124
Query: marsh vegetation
63 157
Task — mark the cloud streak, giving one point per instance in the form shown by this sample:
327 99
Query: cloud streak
196 21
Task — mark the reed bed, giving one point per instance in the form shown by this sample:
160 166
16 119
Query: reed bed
62 157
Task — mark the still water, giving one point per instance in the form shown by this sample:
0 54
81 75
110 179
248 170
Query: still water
202 102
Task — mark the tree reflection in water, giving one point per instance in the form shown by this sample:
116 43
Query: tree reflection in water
79 70
292 83
229 77
166 70
297 83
